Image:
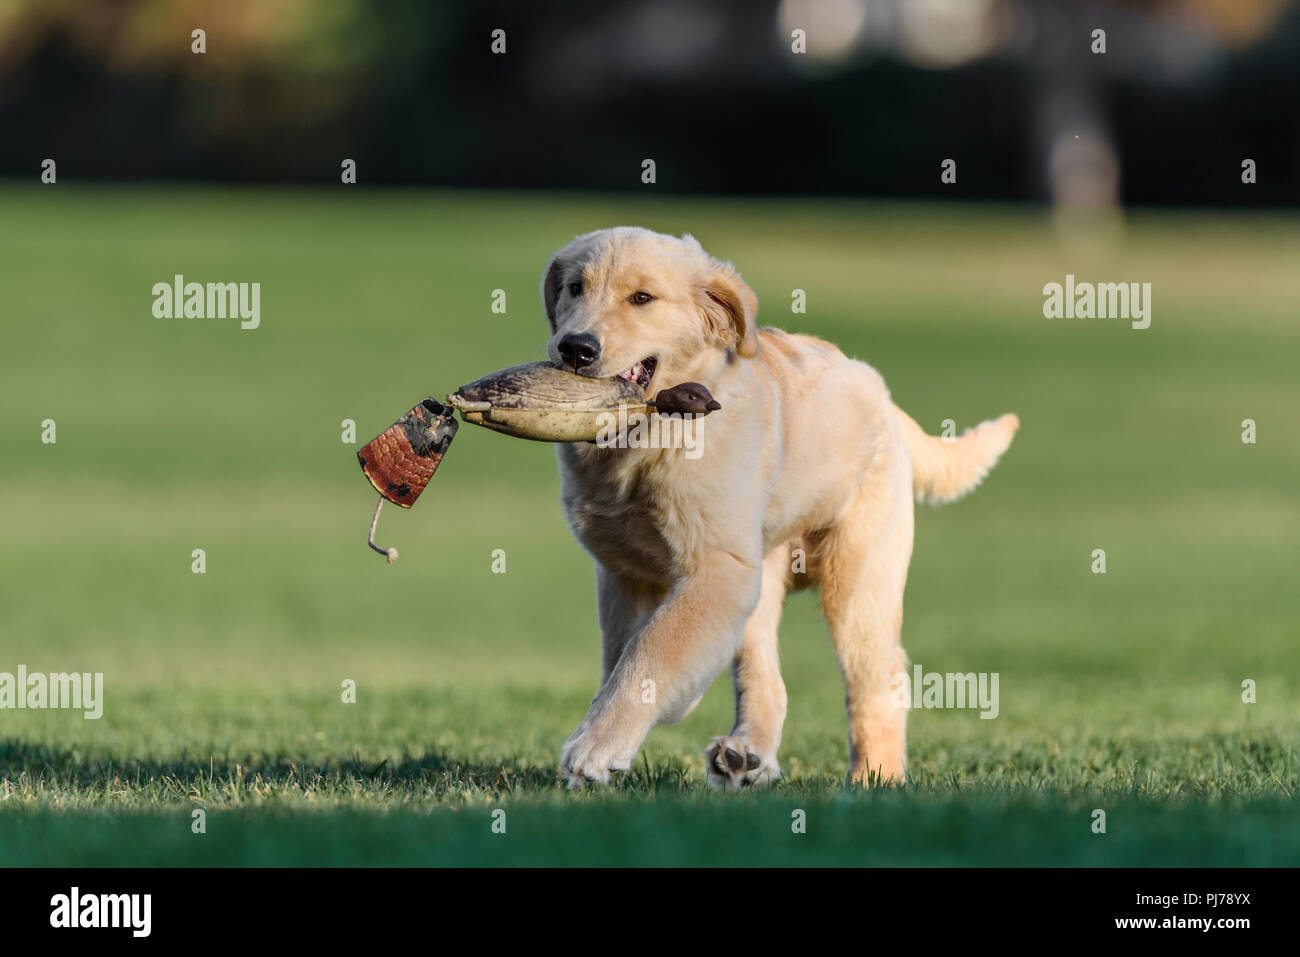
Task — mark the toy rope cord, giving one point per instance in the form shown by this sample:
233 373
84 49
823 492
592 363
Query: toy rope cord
400 461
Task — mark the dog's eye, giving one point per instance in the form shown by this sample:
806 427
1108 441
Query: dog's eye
641 298
575 289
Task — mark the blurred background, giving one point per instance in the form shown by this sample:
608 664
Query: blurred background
587 89
815 171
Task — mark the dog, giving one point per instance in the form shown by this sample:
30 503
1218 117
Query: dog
807 477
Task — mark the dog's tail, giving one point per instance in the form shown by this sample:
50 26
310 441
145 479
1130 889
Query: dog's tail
943 470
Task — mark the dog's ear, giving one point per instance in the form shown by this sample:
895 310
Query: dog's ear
731 309
552 283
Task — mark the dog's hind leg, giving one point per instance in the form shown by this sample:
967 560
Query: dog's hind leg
747 756
863 573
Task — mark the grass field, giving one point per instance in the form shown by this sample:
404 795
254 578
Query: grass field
1120 691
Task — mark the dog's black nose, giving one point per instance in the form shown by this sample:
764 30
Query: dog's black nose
579 350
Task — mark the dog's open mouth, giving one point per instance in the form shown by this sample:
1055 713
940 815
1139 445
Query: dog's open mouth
642 372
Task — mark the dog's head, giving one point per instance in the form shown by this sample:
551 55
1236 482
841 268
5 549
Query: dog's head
649 307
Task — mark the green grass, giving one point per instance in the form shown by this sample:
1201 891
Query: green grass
1120 692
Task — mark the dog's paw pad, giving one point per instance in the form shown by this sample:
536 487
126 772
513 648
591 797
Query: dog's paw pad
733 764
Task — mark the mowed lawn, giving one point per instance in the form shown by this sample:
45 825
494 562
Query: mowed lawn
1119 692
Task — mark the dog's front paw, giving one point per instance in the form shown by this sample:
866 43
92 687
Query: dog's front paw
732 764
589 757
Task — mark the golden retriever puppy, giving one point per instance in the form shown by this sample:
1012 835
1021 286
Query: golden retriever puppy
806 476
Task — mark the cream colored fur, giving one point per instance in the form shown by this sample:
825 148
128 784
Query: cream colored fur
807 477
